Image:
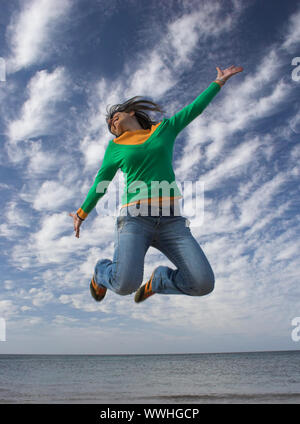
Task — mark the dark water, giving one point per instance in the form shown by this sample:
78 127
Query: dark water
255 377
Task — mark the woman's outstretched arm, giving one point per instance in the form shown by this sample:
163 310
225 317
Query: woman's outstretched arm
186 115
104 176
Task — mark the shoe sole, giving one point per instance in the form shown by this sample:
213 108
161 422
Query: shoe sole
141 291
96 296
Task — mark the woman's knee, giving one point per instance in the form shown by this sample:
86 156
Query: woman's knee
125 287
204 285
124 290
209 285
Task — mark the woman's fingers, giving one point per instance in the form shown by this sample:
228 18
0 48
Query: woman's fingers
228 72
239 69
230 68
76 223
77 230
220 73
234 69
73 216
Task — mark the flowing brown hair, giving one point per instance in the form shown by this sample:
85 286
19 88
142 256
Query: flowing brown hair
138 104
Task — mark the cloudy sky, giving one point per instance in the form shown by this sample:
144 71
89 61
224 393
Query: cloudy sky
64 62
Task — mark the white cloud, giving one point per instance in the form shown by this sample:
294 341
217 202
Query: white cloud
8 232
54 241
158 79
9 285
40 296
7 308
51 196
186 33
289 251
40 161
255 206
182 38
294 122
32 321
81 301
233 165
4 186
38 113
25 308
93 151
31 30
292 32
45 245
15 216
50 245
61 320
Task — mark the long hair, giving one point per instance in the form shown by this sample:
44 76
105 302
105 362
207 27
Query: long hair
138 104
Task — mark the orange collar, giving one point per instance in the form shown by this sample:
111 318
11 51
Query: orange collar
135 137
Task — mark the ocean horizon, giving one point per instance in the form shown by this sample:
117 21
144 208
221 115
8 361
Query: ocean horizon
147 354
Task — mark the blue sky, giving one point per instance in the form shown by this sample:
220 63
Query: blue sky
66 60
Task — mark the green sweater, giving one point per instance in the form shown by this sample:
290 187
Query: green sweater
147 165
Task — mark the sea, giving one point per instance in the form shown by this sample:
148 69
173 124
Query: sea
248 377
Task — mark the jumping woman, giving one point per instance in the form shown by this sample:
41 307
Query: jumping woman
143 150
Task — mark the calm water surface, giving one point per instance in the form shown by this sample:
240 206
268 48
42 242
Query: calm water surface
255 377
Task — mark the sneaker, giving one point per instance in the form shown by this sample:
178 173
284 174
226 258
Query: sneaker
144 291
97 292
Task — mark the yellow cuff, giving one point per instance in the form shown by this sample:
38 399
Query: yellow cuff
81 213
220 83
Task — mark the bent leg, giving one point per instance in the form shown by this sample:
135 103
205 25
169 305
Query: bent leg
124 274
193 275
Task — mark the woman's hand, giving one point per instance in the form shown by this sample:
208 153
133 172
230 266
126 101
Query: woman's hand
77 222
227 73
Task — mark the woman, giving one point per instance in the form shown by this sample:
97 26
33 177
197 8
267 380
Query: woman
143 150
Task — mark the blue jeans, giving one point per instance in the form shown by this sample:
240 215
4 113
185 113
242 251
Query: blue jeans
172 236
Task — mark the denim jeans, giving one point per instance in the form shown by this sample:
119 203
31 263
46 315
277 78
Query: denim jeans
171 235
